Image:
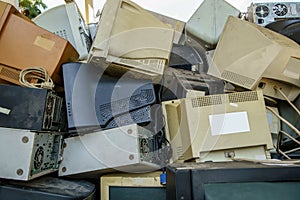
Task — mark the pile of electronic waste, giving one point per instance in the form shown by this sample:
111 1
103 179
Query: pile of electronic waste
145 105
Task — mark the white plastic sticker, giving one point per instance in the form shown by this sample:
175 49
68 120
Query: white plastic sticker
4 111
229 123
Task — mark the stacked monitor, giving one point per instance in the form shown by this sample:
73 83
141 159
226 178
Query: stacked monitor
95 99
208 21
206 129
258 58
128 186
132 38
67 22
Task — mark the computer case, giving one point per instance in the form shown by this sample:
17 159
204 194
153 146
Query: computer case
128 148
31 108
37 48
191 181
95 99
26 155
47 188
264 13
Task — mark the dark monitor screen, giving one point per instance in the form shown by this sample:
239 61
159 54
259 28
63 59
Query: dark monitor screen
136 193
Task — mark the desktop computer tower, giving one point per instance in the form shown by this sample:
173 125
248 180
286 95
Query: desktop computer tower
128 148
26 155
264 13
31 109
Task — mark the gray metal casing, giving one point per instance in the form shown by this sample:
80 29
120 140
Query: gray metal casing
126 148
26 155
264 13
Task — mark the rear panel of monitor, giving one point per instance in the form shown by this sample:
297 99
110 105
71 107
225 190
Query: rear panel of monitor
222 122
133 37
262 54
67 22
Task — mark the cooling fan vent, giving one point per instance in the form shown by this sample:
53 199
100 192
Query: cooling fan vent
280 9
38 158
262 11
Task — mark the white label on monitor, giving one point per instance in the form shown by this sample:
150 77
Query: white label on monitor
4 111
229 123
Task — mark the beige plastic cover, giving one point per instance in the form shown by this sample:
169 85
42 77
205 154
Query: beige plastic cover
224 122
209 19
246 53
131 36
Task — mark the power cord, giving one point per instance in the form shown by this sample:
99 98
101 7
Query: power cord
43 80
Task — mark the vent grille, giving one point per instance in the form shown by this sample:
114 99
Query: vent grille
14 75
262 11
242 97
207 101
238 79
62 33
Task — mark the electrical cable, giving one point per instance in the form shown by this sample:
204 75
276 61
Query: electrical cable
39 74
286 98
284 120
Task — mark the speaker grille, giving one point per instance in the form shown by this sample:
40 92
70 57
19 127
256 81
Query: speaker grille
242 97
207 101
238 79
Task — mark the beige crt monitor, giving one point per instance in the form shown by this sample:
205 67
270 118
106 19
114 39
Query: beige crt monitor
130 181
209 19
131 37
215 127
172 118
247 53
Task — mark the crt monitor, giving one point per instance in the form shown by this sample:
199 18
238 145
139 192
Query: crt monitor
132 37
95 99
248 53
138 186
208 21
218 127
66 21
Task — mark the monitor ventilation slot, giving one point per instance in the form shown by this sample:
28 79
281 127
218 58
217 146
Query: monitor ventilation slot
238 79
62 33
11 75
207 101
242 97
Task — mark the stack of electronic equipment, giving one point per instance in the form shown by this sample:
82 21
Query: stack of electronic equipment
139 95
256 119
32 111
